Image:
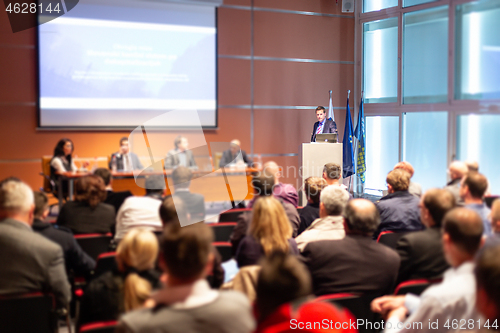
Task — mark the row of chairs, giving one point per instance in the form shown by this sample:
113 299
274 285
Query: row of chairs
43 318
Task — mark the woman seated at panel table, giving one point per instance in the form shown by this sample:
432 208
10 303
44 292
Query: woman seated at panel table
88 214
62 161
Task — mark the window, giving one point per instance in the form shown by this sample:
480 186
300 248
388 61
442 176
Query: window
477 140
382 150
408 3
425 137
380 54
374 5
478 50
425 56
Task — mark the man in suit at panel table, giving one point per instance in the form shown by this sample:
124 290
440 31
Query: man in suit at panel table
194 202
180 156
355 264
29 261
232 154
323 125
125 159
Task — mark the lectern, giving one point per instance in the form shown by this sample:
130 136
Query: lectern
312 159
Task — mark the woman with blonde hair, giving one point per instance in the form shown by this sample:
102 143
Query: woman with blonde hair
269 231
129 285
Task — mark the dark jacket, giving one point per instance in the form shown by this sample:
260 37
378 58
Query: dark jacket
82 219
103 298
399 212
421 255
136 163
241 228
195 204
308 214
75 258
355 264
328 127
116 199
250 251
228 157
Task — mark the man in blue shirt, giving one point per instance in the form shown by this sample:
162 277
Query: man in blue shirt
472 189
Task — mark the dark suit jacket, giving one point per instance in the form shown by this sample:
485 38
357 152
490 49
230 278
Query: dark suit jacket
30 262
74 257
227 158
421 255
308 214
81 219
136 163
355 264
328 127
172 159
195 204
116 199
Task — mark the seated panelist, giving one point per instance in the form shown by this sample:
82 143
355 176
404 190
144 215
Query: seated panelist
323 125
124 159
232 155
180 156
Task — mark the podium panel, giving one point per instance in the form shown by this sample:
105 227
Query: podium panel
312 159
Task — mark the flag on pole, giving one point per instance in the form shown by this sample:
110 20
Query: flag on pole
360 134
347 151
331 116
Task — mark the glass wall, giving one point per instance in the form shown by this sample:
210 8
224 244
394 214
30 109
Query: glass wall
425 138
478 137
374 5
408 3
477 50
380 60
382 150
425 56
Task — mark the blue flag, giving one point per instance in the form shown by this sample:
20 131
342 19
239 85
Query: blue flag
347 151
360 134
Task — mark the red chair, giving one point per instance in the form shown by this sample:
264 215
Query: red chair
99 327
232 214
390 238
105 262
224 249
222 231
94 244
416 286
27 313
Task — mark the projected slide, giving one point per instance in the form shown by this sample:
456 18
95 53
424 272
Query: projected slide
116 72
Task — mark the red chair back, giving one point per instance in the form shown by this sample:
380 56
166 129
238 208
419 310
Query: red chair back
232 214
94 244
222 231
416 286
390 238
224 249
99 327
105 262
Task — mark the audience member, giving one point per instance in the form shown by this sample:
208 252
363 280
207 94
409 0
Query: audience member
262 184
286 192
114 199
330 225
124 159
234 155
195 203
142 211
283 290
312 188
172 211
472 189
399 209
487 273
414 188
29 261
472 166
421 252
88 214
457 170
186 303
127 287
332 173
180 156
355 264
454 298
269 231
75 259
494 238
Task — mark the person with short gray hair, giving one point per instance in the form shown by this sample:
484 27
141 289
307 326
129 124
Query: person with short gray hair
30 262
354 264
330 224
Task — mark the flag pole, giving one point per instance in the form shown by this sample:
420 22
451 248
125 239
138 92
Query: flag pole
350 177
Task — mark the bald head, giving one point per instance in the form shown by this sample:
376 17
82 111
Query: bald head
16 201
472 166
362 217
495 216
464 227
235 146
272 168
457 170
405 166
